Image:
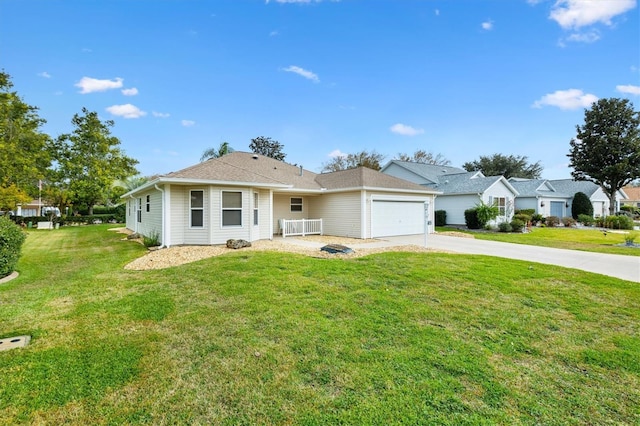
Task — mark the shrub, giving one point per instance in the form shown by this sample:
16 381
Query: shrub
617 222
471 219
536 218
528 212
151 240
581 205
586 220
486 213
441 217
552 221
11 239
526 218
504 227
568 221
630 238
517 225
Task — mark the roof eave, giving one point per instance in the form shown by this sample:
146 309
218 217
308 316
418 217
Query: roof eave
189 181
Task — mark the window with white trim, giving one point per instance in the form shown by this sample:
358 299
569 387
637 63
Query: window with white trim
296 204
501 204
139 210
196 206
148 203
255 209
231 208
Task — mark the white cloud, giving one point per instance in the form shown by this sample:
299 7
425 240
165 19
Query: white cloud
90 85
566 99
273 33
634 90
130 92
580 13
487 25
336 153
126 111
302 72
160 114
188 123
588 37
437 12
403 129
44 74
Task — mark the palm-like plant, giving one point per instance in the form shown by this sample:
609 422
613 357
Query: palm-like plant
223 149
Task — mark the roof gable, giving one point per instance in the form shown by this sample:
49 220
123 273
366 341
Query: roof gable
430 172
363 177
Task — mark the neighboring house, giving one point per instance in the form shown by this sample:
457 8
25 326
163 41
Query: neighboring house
633 196
461 190
247 196
554 197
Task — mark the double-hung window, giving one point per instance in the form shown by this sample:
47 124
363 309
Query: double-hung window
255 209
197 209
139 210
296 204
501 204
148 203
231 208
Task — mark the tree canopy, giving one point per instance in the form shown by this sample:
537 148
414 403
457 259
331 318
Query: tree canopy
267 147
89 159
505 165
25 151
223 149
351 161
606 149
424 157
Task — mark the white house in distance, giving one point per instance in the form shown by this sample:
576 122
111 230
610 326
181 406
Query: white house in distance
461 190
554 197
249 196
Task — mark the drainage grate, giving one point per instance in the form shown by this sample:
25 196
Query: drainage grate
14 342
336 248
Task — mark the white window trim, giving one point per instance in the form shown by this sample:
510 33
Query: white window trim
223 209
256 211
191 209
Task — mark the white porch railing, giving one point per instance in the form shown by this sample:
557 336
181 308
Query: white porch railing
300 227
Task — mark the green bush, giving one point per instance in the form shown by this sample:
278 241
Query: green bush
517 225
617 222
524 217
151 240
504 227
586 220
581 205
552 221
441 217
471 219
528 212
536 218
486 213
568 221
11 239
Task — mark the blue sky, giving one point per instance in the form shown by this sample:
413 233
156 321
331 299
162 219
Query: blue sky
462 78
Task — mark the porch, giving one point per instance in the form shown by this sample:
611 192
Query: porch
300 227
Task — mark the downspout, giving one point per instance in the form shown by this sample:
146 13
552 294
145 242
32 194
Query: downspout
163 219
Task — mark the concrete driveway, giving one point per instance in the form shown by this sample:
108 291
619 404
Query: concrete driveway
624 267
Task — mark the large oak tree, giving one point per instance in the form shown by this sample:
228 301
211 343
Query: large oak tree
89 159
363 158
267 147
505 165
25 151
606 149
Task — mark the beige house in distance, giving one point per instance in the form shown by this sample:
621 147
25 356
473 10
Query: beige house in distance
248 196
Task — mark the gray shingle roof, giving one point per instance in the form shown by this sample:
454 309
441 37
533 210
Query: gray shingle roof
367 178
533 187
465 183
430 172
570 187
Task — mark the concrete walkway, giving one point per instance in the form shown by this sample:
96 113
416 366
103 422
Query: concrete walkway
613 265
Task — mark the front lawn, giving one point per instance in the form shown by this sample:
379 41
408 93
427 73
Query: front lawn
276 338
593 240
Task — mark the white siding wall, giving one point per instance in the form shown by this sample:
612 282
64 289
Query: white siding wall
340 213
500 190
455 205
130 214
546 209
263 215
152 220
179 218
524 203
282 209
220 234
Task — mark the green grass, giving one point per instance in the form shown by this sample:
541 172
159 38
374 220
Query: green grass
592 240
272 338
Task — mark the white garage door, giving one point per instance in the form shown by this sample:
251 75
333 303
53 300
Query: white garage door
390 218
